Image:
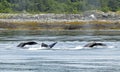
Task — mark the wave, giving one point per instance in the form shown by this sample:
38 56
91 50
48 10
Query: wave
74 48
67 45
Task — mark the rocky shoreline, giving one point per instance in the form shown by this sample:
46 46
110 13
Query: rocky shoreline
87 20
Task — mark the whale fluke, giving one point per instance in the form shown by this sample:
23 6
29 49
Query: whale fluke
33 43
44 45
94 44
48 46
26 43
52 45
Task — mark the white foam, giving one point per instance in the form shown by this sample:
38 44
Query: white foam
78 47
38 48
68 48
111 47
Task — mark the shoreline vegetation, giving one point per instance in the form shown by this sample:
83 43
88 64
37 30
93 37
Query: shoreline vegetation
59 14
89 20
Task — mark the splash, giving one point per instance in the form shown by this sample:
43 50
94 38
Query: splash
75 48
39 48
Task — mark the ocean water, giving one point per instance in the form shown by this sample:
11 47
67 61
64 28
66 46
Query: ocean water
68 55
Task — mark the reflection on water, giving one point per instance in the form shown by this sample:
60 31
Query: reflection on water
60 35
68 55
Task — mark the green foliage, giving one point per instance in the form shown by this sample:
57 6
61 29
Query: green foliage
114 5
105 9
5 6
58 6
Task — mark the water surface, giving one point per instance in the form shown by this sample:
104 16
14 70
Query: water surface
68 55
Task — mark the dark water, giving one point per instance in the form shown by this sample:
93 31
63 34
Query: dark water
68 55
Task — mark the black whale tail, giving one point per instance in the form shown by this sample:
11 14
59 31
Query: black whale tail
52 45
49 46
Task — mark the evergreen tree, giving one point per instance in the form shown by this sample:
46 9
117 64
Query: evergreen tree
114 5
58 6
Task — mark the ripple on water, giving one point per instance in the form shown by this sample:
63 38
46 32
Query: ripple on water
68 55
